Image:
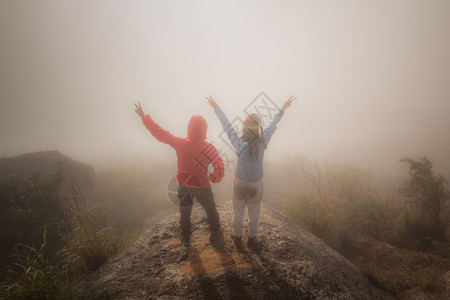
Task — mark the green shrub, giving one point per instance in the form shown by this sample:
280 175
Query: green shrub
90 243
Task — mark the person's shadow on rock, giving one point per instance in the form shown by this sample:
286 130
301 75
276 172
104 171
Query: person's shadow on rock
205 283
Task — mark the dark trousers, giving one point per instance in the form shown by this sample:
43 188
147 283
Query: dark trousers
206 199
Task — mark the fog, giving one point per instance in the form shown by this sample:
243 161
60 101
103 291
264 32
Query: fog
372 78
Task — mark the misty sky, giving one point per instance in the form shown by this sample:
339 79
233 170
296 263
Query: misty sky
372 77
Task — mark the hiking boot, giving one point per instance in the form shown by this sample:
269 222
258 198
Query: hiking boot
185 240
216 235
254 244
216 239
237 240
238 243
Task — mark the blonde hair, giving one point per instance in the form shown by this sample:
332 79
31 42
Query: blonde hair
252 131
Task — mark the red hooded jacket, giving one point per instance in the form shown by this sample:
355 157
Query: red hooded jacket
194 153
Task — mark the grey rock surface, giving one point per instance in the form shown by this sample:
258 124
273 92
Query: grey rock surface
292 264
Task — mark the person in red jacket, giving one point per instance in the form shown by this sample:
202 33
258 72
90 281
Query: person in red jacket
194 157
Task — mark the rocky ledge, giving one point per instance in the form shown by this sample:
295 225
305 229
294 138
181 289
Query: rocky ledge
292 264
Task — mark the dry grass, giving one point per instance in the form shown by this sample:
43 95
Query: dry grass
337 204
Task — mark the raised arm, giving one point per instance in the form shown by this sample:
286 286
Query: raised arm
227 127
157 131
268 132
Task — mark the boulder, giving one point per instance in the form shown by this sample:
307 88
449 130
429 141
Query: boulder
292 264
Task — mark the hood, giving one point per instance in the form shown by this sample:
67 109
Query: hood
197 128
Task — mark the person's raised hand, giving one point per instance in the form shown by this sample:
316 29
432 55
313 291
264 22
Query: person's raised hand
211 102
139 110
288 103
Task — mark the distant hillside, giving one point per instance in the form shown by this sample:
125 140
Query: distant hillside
46 163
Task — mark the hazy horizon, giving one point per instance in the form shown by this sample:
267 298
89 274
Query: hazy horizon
372 79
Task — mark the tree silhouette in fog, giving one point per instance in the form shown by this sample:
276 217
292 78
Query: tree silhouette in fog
426 193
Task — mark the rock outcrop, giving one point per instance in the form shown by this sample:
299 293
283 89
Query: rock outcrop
47 163
30 199
292 264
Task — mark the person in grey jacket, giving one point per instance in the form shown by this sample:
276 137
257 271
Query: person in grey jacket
248 171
